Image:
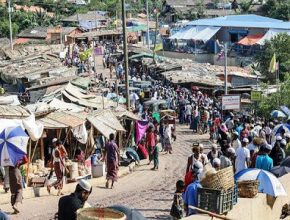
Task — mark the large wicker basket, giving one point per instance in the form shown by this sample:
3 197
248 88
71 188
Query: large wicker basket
248 189
99 214
222 180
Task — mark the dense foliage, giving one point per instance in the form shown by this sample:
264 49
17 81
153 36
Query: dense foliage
275 100
279 45
279 9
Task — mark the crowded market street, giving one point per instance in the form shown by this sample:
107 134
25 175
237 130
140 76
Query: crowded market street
147 191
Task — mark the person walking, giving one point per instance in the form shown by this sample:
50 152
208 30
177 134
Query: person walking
242 156
168 138
111 155
263 160
16 184
58 166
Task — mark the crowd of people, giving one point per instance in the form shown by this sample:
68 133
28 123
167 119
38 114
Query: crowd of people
239 142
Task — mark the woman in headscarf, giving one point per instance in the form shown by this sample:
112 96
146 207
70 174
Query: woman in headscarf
16 184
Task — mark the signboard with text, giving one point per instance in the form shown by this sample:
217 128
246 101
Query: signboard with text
231 102
256 96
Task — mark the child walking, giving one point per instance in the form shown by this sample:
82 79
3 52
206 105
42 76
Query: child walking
177 206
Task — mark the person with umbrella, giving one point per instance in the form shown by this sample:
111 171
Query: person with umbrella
263 160
15 182
13 143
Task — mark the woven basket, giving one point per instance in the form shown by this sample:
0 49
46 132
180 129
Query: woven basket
248 189
99 214
222 180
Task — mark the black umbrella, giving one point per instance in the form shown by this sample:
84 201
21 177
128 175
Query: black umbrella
131 214
286 162
279 171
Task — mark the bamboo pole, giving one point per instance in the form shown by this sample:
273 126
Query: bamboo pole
28 163
34 150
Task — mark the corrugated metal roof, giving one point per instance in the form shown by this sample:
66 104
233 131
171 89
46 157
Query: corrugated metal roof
66 118
120 112
108 118
101 126
51 124
11 112
247 21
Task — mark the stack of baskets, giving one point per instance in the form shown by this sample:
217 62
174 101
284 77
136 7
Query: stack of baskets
222 180
248 188
219 192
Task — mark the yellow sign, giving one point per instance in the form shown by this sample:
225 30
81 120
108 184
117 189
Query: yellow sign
256 96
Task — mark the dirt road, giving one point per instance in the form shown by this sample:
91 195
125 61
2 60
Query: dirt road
150 192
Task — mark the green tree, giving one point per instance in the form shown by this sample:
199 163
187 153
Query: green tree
279 9
279 45
246 5
4 28
275 100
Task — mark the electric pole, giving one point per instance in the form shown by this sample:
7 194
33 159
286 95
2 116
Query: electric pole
226 68
148 33
10 24
125 48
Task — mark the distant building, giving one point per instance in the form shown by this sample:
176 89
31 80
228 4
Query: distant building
48 34
89 21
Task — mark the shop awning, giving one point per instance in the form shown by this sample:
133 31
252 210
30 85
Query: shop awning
206 33
251 39
106 122
201 33
272 33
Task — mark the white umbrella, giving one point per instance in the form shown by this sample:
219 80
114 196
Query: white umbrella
269 184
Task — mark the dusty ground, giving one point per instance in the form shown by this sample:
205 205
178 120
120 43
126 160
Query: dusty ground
148 191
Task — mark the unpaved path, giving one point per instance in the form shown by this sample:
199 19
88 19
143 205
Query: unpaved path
150 192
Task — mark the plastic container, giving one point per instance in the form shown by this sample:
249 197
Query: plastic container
74 170
99 214
94 159
217 201
98 170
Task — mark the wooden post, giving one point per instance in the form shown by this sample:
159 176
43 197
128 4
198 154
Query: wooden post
34 150
29 160
41 149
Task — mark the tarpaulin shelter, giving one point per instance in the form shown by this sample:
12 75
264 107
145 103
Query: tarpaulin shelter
251 39
272 33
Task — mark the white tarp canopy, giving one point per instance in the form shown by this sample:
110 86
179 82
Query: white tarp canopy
206 33
272 33
202 33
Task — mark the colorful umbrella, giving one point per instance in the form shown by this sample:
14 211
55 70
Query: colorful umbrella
269 184
13 143
279 171
278 114
279 127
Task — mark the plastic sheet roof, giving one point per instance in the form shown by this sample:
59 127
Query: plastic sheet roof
272 33
250 21
201 33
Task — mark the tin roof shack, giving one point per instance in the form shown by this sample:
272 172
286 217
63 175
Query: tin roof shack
34 33
88 21
98 35
26 51
58 35
34 70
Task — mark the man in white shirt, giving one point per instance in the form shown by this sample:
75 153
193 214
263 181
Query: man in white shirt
242 156
236 143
